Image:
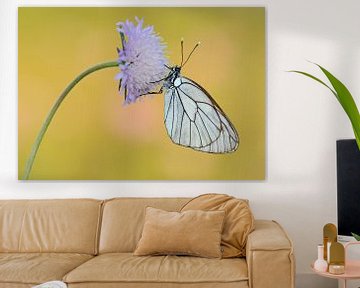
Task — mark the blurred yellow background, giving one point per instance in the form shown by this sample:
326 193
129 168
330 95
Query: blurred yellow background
94 136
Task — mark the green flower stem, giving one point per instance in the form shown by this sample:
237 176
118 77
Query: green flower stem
55 107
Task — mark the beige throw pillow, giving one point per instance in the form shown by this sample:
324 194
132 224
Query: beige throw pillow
239 220
193 232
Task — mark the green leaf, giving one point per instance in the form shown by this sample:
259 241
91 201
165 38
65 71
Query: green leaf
347 102
344 97
357 237
314 78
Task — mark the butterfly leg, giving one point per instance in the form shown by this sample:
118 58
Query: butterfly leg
153 92
158 81
157 92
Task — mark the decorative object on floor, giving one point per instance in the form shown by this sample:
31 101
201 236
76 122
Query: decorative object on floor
114 142
194 233
320 264
239 220
51 284
344 97
329 236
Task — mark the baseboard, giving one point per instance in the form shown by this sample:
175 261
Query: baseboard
310 280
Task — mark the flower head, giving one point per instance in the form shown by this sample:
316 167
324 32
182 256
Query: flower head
141 60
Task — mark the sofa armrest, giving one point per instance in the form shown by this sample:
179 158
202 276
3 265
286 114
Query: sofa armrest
269 256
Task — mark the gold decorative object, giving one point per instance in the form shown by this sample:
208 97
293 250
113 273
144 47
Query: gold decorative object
337 253
337 258
336 269
330 236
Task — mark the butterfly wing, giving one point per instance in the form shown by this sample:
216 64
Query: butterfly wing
194 119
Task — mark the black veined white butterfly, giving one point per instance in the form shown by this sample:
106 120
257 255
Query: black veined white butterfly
192 117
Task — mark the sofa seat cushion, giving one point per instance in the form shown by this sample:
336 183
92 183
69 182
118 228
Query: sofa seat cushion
36 268
125 267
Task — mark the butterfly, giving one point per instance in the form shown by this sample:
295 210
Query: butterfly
192 117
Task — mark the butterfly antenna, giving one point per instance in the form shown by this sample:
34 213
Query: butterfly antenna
182 51
192 51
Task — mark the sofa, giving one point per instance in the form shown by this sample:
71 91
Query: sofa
90 243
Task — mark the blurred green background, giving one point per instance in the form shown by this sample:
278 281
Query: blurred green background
94 136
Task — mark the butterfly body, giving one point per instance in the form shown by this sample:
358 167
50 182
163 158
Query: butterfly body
193 118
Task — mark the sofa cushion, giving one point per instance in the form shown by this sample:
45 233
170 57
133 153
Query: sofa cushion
239 221
36 268
127 268
193 232
63 226
123 220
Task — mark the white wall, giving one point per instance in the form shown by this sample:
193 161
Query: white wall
303 120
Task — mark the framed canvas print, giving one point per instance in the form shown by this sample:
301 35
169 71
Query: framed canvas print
143 93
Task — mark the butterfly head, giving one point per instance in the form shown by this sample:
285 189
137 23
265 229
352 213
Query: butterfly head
176 70
173 74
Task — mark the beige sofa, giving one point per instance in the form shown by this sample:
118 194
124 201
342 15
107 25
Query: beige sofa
89 243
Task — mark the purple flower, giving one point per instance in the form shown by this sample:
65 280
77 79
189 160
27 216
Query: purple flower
141 60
